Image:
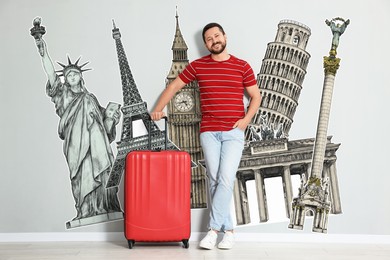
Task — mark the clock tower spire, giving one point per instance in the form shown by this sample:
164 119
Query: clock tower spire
179 49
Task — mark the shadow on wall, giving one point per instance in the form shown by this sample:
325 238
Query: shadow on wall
200 44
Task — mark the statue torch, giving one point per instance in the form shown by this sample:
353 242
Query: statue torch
37 32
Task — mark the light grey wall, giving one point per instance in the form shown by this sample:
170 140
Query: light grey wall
34 181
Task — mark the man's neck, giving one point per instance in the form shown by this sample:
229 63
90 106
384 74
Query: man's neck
221 57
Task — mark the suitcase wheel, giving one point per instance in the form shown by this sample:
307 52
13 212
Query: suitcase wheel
185 243
131 243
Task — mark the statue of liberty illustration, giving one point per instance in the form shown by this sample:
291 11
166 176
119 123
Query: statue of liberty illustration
87 130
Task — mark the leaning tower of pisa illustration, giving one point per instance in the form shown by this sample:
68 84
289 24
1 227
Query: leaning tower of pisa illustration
280 81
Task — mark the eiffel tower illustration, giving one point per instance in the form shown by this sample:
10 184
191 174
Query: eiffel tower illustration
133 109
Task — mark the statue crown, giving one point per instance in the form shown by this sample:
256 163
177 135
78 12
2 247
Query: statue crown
72 66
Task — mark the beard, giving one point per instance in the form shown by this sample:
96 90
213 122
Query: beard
223 46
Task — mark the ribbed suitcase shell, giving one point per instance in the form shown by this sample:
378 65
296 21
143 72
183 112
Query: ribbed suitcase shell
157 196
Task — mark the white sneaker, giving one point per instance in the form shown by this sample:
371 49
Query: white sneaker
227 241
209 241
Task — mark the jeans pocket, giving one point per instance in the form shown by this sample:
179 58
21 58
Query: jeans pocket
237 134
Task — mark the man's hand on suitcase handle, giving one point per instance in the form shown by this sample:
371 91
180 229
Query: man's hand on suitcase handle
155 116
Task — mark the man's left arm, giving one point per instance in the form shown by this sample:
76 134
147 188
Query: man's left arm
254 103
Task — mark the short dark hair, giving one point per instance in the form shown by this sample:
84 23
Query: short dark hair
209 26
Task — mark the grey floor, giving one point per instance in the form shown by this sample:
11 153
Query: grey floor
118 250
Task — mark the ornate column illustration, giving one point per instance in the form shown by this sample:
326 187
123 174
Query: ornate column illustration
313 195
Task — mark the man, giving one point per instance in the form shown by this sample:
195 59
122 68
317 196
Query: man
222 79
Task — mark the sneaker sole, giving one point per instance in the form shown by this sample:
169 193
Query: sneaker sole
224 247
206 247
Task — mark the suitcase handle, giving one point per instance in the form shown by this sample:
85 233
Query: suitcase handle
150 133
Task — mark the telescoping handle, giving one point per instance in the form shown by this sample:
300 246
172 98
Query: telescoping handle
150 133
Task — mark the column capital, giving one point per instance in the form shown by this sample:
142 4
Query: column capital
331 65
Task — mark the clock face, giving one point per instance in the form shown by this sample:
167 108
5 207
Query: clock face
184 102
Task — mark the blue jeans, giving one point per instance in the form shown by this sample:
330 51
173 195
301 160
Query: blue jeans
222 154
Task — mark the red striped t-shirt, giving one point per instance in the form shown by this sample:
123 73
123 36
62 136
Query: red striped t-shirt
221 85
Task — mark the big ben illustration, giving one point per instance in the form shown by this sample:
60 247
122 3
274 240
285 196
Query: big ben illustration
184 119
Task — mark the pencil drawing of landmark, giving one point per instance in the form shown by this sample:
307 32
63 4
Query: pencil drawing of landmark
313 195
87 130
269 153
133 109
184 118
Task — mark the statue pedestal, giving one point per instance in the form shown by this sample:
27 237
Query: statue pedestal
313 198
107 217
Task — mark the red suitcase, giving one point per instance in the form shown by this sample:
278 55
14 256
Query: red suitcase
157 196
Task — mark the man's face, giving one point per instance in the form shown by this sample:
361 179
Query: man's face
215 40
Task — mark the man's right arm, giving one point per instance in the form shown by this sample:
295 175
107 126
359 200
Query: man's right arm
165 97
